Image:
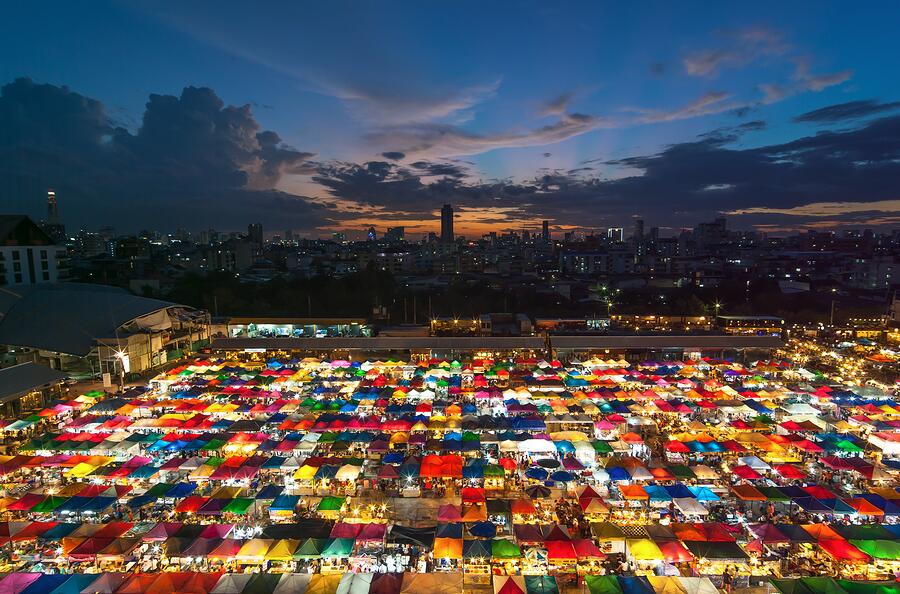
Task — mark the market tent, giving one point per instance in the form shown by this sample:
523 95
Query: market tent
448 548
842 550
231 583
643 549
748 493
502 548
512 584
879 549
106 583
44 584
386 583
338 547
717 550
602 584
560 550
355 583
690 506
674 552
292 583
323 583
769 534
429 583
421 537
541 584
73 584
698 585
666 585
635 585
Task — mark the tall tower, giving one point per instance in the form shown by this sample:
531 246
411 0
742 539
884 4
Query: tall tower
545 231
52 226
447 224
52 209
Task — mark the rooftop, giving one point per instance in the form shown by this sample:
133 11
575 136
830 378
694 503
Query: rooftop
68 318
21 379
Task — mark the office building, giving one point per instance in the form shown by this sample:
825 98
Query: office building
255 233
447 224
28 255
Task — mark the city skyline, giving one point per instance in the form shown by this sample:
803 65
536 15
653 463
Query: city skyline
777 119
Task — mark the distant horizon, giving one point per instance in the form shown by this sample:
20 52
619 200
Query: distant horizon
361 234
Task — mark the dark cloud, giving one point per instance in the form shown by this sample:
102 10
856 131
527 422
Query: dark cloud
851 110
431 168
191 162
732 133
393 155
682 184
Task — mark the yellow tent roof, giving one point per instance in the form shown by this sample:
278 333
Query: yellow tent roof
325 583
82 470
282 550
305 473
644 549
255 548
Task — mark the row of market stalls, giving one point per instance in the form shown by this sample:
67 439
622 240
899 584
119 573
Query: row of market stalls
510 468
393 583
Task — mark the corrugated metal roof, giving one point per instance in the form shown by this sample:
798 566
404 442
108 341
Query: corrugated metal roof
68 317
20 379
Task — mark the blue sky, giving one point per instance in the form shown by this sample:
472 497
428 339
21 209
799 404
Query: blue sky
505 93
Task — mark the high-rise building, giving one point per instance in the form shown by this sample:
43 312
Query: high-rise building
545 231
615 234
638 229
395 234
447 224
338 237
289 235
255 233
371 234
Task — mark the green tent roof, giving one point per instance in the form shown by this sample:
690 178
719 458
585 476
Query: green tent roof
238 506
310 548
602 584
602 447
681 471
880 549
855 587
49 504
159 489
541 584
773 494
505 549
339 547
331 503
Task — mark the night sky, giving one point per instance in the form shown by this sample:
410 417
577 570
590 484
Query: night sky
321 116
